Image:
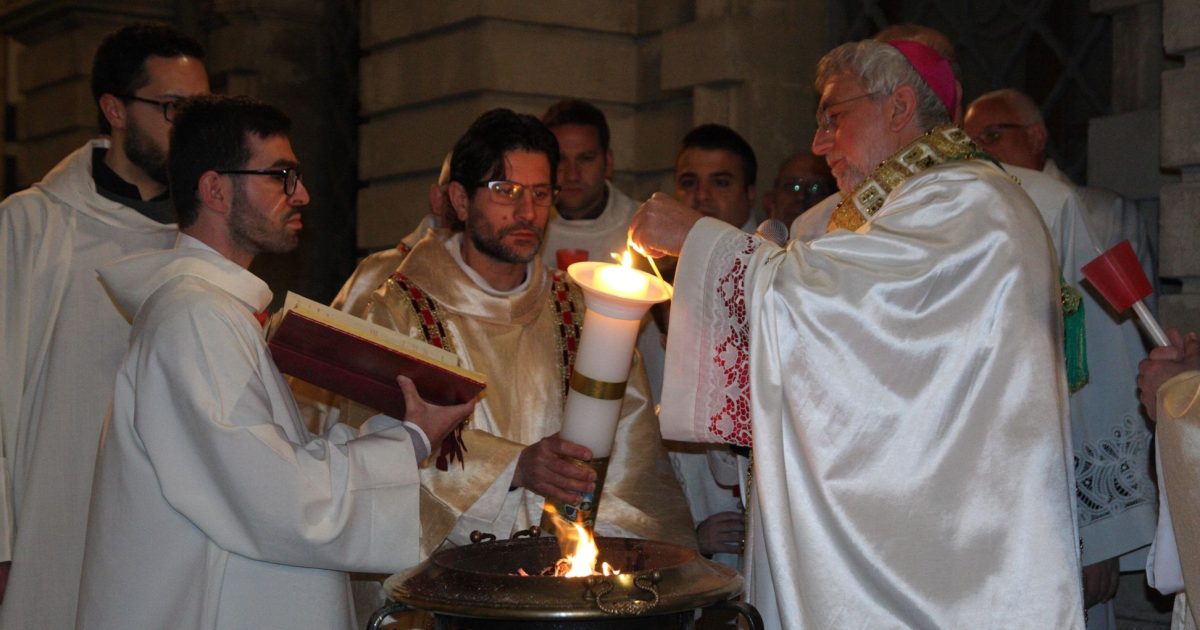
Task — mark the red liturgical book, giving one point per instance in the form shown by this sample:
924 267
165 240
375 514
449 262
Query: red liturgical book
360 360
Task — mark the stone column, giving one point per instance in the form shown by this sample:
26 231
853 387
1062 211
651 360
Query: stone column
1123 148
1180 214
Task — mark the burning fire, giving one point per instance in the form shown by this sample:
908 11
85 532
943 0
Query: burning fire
580 554
580 560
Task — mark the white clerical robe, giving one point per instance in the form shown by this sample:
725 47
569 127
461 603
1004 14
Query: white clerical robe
812 223
213 506
60 343
905 389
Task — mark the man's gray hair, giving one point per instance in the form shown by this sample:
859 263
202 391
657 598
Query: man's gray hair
882 68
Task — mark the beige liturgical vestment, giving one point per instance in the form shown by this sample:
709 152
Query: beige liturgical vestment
1179 447
514 339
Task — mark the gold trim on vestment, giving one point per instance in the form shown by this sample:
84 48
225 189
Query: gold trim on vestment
938 145
593 388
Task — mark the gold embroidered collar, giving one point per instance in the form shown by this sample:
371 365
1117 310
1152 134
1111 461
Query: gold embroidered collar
938 145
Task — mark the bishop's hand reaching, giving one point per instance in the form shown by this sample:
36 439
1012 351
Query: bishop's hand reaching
661 225
542 468
436 421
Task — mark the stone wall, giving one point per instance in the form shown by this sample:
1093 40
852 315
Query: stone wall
300 56
1180 132
656 68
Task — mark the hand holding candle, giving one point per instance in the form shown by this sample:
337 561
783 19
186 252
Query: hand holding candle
1119 277
617 297
544 467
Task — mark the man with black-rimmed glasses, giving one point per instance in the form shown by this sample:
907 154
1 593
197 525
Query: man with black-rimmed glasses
213 506
60 338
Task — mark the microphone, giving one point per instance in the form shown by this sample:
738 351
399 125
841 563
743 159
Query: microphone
774 231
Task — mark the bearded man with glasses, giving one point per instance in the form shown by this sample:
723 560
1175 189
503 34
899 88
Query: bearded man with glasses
60 338
213 507
903 373
481 290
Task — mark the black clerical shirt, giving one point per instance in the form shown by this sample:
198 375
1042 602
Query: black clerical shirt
112 187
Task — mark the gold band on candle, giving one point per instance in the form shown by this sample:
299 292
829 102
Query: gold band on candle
593 388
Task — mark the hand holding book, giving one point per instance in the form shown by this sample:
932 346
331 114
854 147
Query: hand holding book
436 421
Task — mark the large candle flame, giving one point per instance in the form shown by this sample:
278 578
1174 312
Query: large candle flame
622 280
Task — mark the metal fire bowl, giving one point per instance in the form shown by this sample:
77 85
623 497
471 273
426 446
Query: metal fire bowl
481 581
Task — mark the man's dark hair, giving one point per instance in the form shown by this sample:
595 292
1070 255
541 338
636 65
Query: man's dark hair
572 111
478 156
212 133
119 67
712 137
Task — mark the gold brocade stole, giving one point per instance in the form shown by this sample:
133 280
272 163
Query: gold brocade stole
938 145
433 329
566 303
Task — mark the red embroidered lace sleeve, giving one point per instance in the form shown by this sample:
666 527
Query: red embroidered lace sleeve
731 353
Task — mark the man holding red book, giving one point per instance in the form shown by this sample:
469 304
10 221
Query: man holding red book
213 506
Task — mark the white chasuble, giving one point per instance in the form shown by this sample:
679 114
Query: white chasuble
906 403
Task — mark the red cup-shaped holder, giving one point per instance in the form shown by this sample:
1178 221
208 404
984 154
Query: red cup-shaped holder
1118 276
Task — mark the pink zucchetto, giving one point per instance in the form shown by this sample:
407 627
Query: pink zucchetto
933 68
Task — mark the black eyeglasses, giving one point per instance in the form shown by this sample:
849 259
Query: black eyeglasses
290 176
168 107
510 193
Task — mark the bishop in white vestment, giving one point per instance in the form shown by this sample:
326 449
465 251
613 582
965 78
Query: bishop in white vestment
899 380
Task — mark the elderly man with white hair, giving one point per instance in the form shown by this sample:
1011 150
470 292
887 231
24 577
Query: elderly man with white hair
900 378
